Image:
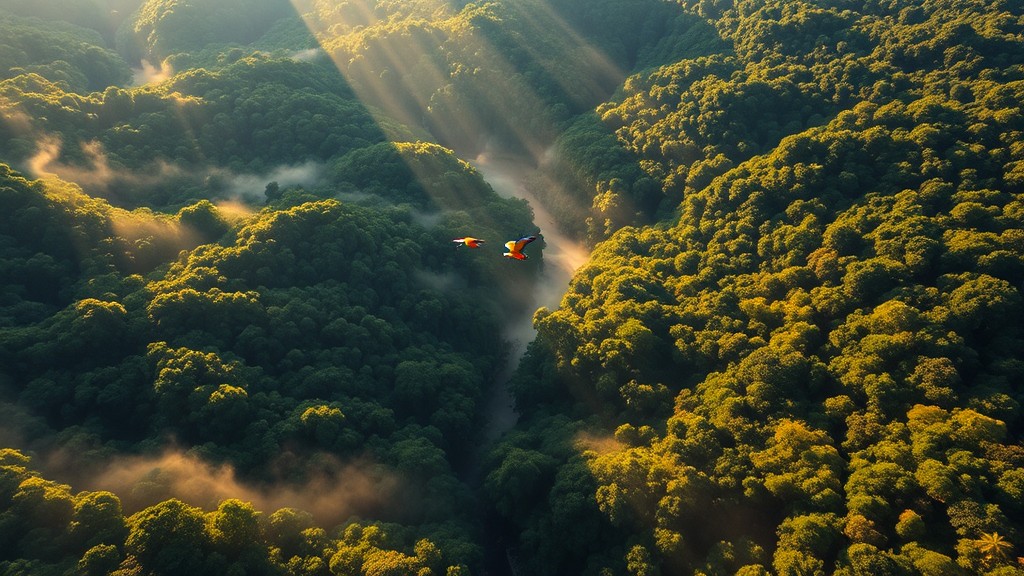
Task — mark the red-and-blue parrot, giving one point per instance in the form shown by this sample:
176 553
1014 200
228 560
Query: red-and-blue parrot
515 247
468 241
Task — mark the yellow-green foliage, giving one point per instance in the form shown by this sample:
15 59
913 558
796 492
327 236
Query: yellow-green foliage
833 304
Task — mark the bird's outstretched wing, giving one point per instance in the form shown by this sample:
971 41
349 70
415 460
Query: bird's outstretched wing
515 247
522 242
468 241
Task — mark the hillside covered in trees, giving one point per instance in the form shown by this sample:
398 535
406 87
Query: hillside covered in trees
235 336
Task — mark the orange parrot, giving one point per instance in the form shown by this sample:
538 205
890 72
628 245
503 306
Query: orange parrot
515 247
468 241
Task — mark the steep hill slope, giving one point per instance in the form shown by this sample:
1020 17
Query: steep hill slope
815 357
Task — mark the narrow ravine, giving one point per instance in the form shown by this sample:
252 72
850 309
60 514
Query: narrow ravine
563 255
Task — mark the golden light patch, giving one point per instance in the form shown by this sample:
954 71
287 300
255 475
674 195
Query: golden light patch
599 444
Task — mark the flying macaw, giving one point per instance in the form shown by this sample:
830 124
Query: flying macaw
468 241
515 247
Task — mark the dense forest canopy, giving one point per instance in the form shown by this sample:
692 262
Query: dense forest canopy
236 336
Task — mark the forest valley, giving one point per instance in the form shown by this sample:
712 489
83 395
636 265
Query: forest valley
236 336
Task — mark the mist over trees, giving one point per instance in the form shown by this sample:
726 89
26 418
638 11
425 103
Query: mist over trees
235 336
